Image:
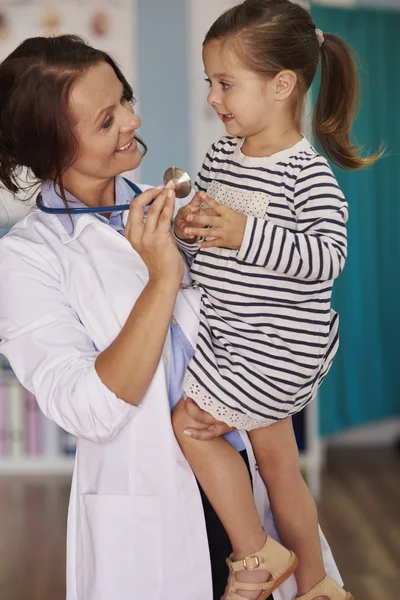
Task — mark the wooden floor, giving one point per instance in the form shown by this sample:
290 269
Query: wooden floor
359 512
360 516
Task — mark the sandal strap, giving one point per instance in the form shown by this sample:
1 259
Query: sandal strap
327 587
233 596
252 587
272 557
272 554
249 563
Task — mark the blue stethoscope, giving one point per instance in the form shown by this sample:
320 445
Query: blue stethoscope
87 210
182 190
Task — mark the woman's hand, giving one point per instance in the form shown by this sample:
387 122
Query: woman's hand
223 224
152 239
215 428
181 220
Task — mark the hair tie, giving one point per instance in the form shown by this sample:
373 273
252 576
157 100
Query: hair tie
320 37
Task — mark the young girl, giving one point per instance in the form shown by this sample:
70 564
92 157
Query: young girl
267 334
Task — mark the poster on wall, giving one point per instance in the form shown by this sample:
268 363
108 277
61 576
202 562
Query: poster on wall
108 25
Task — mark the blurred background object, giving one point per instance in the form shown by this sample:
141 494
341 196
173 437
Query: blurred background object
349 439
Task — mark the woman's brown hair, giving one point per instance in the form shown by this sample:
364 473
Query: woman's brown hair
271 36
36 127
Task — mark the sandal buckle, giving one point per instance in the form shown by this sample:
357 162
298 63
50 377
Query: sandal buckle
253 565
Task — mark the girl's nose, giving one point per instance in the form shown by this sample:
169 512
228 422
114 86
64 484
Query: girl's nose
213 98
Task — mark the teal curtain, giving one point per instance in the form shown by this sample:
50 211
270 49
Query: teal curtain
363 385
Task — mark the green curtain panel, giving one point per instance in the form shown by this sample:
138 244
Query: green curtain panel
363 385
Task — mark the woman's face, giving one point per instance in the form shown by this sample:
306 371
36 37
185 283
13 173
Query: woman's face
105 125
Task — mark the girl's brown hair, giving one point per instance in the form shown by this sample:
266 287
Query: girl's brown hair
271 36
36 126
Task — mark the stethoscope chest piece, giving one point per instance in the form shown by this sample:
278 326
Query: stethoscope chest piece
182 179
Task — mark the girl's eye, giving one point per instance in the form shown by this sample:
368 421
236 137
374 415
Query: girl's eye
225 86
208 81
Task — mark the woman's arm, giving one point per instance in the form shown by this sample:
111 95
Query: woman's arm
127 366
52 353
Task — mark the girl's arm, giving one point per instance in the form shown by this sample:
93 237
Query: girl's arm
316 251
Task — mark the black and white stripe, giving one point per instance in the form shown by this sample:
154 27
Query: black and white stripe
267 333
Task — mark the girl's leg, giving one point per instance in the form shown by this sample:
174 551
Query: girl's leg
293 507
225 480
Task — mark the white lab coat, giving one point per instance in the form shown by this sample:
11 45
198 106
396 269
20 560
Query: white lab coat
135 524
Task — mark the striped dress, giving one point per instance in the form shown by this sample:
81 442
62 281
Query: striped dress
267 333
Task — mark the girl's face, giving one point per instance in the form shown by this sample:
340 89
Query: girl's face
246 103
105 125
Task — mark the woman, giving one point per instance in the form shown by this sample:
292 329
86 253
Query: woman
85 321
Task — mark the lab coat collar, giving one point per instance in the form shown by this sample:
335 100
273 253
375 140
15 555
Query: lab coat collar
70 230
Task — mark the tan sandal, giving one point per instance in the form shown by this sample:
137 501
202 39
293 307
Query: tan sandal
274 558
329 589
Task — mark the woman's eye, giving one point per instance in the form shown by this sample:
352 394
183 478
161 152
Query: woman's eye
208 81
107 124
124 100
225 86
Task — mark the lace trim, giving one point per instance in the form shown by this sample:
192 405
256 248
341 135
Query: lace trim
218 410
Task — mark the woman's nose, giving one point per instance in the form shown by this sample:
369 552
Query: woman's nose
131 121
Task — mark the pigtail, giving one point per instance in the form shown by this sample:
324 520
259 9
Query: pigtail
337 104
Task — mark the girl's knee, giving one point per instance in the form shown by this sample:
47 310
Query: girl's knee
279 466
282 461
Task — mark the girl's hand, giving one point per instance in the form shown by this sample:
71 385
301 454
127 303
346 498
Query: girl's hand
223 224
214 428
181 222
153 239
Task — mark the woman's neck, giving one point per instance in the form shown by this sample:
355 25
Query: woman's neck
91 192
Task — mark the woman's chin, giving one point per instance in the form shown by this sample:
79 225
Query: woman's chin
129 162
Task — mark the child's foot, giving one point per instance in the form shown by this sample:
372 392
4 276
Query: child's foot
251 577
327 589
255 577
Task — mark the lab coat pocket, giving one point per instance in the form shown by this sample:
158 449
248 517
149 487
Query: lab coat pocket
121 547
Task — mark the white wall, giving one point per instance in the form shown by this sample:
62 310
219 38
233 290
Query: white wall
367 3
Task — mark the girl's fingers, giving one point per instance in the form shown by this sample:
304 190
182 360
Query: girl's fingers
202 232
197 199
217 243
217 206
212 213
195 204
205 220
